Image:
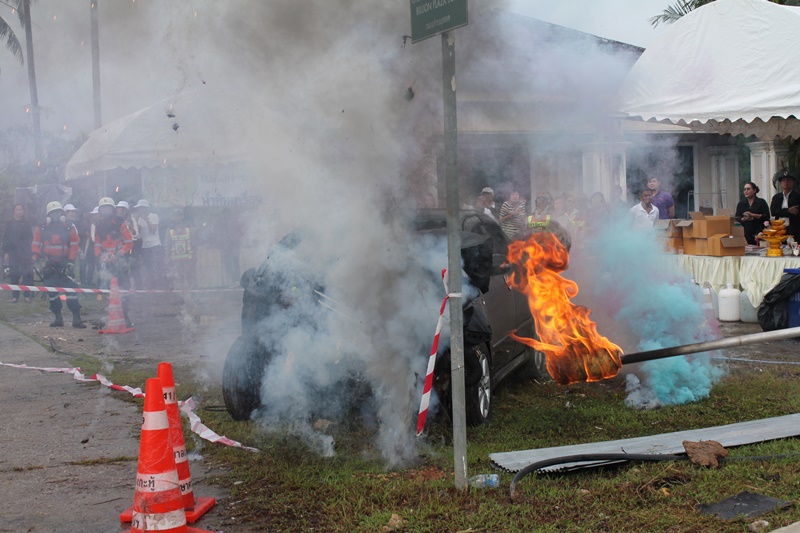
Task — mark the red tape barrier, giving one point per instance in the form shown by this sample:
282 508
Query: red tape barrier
187 407
78 290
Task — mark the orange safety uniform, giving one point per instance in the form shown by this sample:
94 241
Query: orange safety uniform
112 238
57 242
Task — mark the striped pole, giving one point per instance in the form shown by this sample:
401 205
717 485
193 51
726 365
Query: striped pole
426 391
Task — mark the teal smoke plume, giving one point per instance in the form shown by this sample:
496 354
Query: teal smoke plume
653 304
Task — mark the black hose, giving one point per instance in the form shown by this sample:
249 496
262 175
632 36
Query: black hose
651 457
591 457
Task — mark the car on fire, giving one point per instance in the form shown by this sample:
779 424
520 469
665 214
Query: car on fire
491 355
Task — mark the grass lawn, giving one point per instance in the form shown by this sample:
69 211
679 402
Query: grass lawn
287 488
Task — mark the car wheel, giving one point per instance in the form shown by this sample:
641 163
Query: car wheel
241 377
479 391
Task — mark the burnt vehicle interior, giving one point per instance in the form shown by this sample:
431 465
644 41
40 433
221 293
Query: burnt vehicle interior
491 314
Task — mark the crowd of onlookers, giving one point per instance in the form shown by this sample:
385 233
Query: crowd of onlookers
570 216
113 241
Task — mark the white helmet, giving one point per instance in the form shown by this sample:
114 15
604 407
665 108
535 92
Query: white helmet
54 206
106 201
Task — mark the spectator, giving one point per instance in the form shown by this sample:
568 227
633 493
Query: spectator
112 247
181 259
617 205
512 215
661 199
487 200
597 210
57 242
541 207
644 213
17 251
752 212
152 256
786 205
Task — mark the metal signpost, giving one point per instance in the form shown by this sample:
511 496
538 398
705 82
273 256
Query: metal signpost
428 18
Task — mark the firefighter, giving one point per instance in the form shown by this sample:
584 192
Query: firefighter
57 243
112 247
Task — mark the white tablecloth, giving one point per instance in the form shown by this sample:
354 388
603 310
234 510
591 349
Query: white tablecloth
759 275
716 271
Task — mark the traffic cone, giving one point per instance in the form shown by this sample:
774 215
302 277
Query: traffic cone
157 502
116 318
194 507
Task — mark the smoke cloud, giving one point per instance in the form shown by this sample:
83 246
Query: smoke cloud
642 302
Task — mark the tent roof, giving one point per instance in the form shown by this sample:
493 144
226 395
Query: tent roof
192 128
730 66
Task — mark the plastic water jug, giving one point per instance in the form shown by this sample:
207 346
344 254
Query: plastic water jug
729 304
747 313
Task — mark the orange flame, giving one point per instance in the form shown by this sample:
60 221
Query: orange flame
575 350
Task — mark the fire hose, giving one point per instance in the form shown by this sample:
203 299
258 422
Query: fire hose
662 353
619 457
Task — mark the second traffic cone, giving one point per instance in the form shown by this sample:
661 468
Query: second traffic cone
116 318
157 502
194 507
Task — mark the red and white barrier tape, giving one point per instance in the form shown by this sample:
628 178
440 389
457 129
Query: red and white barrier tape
425 401
187 406
78 290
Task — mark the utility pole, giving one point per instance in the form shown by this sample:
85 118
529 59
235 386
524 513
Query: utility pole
98 118
25 8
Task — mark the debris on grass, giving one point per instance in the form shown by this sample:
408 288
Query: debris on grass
705 453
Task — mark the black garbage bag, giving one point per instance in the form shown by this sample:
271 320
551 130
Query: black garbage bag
773 313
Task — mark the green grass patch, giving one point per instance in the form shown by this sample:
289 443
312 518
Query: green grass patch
287 487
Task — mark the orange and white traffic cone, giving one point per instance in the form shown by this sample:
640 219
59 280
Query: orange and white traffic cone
194 507
157 502
116 317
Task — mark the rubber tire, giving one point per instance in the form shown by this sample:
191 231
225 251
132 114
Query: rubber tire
479 395
241 377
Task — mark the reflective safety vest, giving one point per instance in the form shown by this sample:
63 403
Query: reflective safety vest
533 222
180 244
56 241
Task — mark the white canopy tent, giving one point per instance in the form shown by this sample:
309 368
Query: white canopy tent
200 128
731 66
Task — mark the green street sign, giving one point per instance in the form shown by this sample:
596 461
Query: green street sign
431 17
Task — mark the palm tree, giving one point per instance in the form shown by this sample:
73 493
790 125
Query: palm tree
23 9
682 7
12 43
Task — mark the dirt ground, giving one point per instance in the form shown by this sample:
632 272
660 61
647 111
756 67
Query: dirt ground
68 450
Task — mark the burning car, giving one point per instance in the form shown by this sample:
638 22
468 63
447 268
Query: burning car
491 315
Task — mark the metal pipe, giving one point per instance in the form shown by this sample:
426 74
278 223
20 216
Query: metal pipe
732 342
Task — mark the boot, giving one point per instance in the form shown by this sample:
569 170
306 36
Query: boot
76 320
59 321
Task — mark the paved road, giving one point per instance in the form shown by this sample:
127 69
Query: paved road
57 437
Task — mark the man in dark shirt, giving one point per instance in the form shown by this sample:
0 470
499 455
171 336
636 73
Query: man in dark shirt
661 199
786 205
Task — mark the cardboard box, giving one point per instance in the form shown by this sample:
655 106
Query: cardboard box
670 245
724 245
695 246
705 226
668 227
686 228
737 230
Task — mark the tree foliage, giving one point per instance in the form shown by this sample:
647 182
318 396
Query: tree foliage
682 7
8 36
